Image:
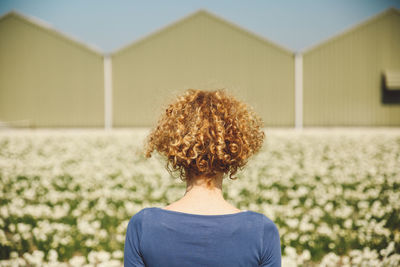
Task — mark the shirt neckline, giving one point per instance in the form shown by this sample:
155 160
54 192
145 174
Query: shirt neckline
201 215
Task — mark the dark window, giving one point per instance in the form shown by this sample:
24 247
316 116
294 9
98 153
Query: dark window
391 87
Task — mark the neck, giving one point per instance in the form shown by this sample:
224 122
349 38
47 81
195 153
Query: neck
204 196
201 187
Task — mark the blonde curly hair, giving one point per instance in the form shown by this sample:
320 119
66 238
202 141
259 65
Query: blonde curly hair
205 133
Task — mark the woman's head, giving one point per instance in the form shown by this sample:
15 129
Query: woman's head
206 133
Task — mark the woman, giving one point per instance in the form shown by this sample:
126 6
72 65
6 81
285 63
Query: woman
204 136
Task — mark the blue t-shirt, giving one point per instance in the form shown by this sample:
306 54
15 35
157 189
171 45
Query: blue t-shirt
156 237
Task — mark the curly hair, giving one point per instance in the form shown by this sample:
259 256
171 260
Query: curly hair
205 133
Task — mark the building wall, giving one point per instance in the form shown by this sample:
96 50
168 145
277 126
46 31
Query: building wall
202 52
46 79
342 77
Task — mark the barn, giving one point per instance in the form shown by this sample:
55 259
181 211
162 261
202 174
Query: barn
48 79
353 79
201 51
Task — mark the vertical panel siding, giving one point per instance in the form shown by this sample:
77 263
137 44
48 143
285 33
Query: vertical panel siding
205 53
342 78
46 80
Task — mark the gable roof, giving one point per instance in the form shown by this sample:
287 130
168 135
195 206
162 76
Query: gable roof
51 29
372 19
202 12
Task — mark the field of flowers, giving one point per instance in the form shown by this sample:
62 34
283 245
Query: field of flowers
66 196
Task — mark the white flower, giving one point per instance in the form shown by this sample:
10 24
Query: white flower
52 255
118 254
77 261
103 256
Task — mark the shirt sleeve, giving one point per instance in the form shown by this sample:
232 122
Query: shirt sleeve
132 254
271 253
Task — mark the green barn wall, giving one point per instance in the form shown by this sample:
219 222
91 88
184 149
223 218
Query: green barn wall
342 77
46 79
202 52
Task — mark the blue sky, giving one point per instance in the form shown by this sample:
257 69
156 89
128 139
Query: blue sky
109 25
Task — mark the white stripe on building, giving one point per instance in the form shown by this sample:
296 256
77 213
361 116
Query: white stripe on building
107 92
298 88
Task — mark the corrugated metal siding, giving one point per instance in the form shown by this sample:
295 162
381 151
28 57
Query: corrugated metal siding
47 80
202 52
342 77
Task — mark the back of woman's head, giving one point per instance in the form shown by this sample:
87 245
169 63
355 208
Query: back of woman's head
205 133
